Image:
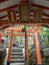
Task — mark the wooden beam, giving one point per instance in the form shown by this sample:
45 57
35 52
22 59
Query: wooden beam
2 17
36 5
20 29
18 35
17 29
6 22
40 6
46 14
8 8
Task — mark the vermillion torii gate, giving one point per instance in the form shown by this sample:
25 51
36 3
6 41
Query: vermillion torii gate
35 31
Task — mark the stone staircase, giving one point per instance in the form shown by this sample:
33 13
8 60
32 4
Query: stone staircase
17 56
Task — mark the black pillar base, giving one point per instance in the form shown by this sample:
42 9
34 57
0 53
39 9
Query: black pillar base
8 63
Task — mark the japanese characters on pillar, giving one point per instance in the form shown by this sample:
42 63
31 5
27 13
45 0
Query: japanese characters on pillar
37 46
11 16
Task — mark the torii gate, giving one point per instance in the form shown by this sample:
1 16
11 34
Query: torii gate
36 44
35 31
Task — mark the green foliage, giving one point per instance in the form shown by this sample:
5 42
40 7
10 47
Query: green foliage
2 57
32 57
45 35
45 61
47 44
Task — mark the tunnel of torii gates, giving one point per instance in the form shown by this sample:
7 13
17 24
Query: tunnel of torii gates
12 21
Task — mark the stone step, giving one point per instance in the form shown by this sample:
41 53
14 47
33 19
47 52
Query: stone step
17 60
16 63
21 57
16 50
16 53
16 56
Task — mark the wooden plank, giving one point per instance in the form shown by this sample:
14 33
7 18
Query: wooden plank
6 22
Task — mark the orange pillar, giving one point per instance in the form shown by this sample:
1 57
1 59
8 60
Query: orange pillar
37 46
10 49
26 48
0 36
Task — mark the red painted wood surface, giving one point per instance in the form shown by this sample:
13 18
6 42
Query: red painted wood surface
37 46
10 47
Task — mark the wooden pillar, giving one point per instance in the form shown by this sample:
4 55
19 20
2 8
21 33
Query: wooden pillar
0 36
10 49
37 46
26 48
